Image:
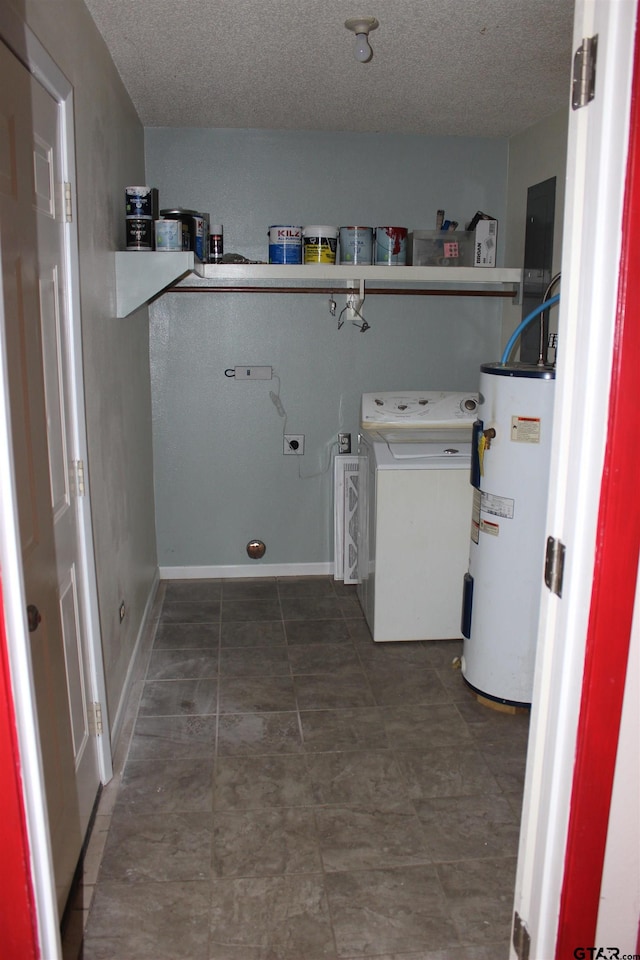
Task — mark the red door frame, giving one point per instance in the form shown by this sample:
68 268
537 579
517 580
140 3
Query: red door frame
613 589
18 927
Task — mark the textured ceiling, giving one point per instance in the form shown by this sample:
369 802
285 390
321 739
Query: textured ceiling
442 67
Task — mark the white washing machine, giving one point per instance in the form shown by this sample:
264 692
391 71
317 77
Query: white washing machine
414 511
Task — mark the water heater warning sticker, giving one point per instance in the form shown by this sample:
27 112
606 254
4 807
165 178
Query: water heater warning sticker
488 527
525 429
498 506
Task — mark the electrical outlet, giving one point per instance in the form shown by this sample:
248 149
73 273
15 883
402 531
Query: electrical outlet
294 443
122 611
344 443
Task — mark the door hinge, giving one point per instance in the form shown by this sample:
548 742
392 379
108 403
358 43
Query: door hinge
94 718
554 565
521 938
80 488
583 82
68 204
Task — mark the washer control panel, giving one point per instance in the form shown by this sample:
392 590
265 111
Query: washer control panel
418 409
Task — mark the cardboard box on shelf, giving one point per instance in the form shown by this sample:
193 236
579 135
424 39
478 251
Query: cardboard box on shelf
485 237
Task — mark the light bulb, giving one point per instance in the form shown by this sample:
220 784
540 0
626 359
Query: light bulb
363 51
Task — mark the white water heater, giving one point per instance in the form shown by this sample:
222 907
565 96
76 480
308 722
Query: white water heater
511 453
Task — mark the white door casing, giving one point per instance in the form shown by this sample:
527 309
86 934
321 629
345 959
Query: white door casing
57 564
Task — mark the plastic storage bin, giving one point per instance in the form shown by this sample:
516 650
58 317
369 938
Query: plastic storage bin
437 248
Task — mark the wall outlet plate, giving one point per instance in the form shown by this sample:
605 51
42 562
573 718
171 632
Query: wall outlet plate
293 444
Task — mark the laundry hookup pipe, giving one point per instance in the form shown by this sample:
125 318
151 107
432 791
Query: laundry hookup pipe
525 323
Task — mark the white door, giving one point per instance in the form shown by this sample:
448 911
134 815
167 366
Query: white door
32 217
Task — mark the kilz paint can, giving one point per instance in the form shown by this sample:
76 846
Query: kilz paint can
169 235
356 244
139 202
139 233
285 244
391 246
319 244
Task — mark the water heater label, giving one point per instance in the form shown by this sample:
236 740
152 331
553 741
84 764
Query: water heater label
488 527
475 516
498 506
525 429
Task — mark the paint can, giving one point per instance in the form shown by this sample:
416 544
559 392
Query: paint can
356 244
169 235
319 244
187 217
140 202
391 246
139 233
285 244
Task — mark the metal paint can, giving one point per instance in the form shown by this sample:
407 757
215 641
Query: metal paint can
285 244
139 233
139 202
187 217
169 235
391 246
319 244
356 244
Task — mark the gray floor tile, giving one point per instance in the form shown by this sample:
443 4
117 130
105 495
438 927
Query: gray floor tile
200 611
250 610
268 842
252 633
479 894
172 786
335 659
187 636
468 828
156 738
244 783
398 682
257 694
164 698
271 917
355 777
148 921
327 692
317 631
360 728
389 911
254 589
265 661
311 608
424 725
364 835
259 734
192 590
158 847
182 664
350 800
446 772
296 588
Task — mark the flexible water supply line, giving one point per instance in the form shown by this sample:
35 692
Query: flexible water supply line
525 323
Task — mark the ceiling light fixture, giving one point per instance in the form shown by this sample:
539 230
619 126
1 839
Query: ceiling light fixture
361 27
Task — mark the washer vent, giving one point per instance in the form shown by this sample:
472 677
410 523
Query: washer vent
345 518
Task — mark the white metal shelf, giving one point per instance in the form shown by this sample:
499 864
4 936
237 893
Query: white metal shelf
142 275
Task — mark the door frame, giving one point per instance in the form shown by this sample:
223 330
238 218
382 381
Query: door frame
31 53
586 400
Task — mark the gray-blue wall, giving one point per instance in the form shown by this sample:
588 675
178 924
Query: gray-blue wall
220 476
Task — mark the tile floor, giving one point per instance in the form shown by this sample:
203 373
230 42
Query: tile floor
286 789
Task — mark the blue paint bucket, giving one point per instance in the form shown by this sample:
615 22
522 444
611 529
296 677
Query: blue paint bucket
356 244
285 244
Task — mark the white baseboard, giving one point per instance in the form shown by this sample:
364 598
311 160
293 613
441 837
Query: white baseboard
123 703
243 571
